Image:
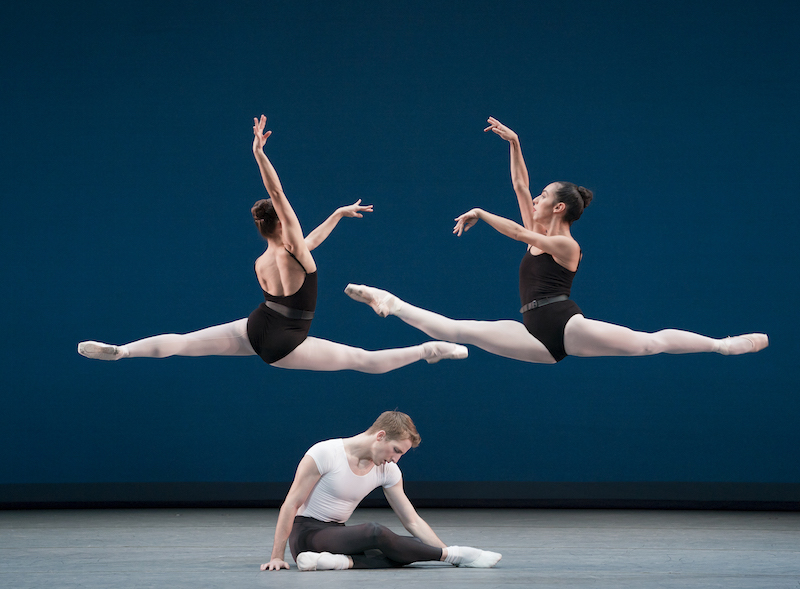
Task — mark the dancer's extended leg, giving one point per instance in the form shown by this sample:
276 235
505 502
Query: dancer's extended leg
505 338
229 339
589 338
324 355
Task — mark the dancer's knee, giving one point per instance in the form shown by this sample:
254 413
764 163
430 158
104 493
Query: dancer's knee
658 342
370 362
646 344
380 536
164 346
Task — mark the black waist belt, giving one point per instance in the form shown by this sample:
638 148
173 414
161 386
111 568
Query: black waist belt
290 313
543 302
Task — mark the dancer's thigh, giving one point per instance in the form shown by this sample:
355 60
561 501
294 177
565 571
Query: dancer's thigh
319 354
505 338
229 339
343 539
589 338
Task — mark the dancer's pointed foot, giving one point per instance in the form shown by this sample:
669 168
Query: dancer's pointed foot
486 560
100 351
743 344
435 351
384 303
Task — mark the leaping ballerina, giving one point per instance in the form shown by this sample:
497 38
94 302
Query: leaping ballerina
277 330
552 326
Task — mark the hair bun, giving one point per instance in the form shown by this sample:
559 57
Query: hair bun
264 216
586 195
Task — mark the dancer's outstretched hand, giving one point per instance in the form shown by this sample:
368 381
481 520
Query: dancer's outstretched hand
258 130
465 221
275 564
355 209
499 128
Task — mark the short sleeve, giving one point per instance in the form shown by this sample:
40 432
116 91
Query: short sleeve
323 454
391 475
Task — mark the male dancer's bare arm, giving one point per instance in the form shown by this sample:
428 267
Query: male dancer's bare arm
321 233
409 517
305 478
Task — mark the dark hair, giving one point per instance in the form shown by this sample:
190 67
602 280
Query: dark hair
575 197
398 426
265 217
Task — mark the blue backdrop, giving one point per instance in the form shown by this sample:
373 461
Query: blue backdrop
127 180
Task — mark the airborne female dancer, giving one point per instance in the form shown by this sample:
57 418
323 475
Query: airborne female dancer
553 326
277 330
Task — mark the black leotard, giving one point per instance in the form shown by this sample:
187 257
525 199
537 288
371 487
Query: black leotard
273 335
540 276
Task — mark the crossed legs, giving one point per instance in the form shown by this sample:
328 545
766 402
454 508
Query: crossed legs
317 545
359 543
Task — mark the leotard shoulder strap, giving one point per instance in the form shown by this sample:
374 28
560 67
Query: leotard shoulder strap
298 261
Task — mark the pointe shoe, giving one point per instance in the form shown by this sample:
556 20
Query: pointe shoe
99 351
758 341
384 303
436 351
486 560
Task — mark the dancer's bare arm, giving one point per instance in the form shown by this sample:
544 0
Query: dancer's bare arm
292 232
305 478
564 250
409 517
519 171
321 233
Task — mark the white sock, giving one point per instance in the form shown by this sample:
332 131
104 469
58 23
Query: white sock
333 562
461 554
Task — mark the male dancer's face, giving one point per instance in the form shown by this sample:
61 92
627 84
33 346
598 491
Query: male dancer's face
386 450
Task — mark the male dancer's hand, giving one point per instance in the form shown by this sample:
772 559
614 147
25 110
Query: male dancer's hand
275 564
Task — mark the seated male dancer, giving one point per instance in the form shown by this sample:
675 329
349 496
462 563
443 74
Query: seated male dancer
332 479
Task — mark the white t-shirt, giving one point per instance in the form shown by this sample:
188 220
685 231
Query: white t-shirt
340 490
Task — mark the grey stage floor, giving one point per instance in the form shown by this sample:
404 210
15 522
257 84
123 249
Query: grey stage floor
198 548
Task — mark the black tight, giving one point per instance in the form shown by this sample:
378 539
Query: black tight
371 546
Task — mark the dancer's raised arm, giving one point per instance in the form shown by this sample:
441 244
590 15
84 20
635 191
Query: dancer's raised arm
321 233
563 248
292 231
519 171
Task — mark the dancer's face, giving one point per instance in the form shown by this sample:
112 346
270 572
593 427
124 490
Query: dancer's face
386 450
544 203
